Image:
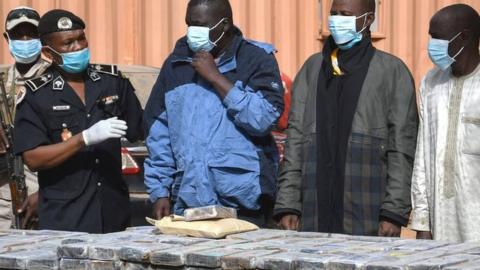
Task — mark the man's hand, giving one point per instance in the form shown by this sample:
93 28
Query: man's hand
161 208
289 222
29 211
388 229
104 130
205 66
424 235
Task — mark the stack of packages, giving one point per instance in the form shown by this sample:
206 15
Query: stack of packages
32 249
147 248
136 248
263 249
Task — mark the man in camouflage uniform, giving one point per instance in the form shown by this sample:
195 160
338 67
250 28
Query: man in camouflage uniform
21 34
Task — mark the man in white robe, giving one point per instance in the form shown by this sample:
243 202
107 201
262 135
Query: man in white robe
446 176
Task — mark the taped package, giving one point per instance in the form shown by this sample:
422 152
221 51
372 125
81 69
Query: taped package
214 229
209 212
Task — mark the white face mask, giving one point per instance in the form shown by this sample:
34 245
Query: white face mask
198 37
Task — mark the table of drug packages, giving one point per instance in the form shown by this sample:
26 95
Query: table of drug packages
146 248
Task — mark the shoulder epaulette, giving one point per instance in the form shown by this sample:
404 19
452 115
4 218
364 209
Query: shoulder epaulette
107 69
37 83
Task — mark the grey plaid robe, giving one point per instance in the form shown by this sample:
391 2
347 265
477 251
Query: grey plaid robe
380 153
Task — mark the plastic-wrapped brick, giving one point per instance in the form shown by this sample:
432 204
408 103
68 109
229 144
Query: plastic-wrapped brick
209 258
418 245
73 264
103 265
179 240
42 258
399 259
472 265
140 251
248 259
209 212
295 260
261 234
174 257
442 262
73 251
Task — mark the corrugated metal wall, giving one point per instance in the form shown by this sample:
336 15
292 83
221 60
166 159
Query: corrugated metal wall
144 31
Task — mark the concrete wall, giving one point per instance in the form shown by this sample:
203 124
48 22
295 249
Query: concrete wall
144 31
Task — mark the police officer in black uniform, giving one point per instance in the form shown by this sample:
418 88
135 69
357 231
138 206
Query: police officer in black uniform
68 128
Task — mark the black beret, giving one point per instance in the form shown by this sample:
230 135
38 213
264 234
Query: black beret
58 20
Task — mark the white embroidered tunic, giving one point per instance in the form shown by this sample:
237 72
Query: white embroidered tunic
446 176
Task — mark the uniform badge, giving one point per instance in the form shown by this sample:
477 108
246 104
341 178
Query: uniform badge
66 134
45 78
94 76
64 23
61 107
109 99
58 83
21 92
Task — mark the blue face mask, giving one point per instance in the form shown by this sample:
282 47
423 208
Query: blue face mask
75 62
344 30
25 51
198 38
438 52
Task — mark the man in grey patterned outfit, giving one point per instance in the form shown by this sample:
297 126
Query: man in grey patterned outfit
351 134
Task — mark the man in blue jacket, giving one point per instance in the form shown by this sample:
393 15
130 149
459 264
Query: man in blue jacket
209 118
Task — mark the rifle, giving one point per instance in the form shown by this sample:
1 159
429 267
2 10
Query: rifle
16 175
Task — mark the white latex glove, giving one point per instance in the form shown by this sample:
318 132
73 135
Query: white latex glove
104 130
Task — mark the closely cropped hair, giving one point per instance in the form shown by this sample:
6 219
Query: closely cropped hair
220 6
463 16
45 39
370 5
